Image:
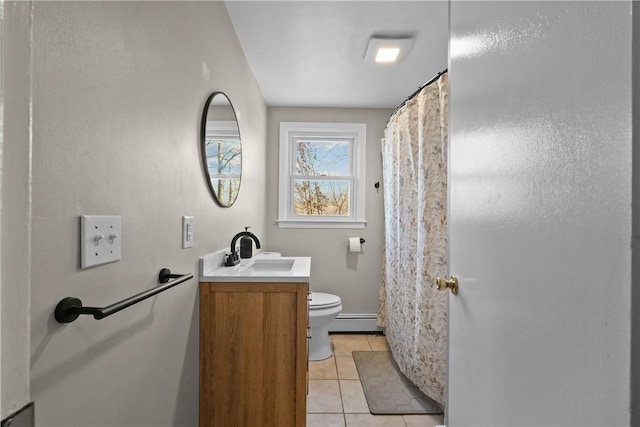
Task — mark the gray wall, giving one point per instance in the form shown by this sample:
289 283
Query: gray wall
354 277
118 92
635 242
16 204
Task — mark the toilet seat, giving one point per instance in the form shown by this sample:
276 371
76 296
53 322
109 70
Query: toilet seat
321 300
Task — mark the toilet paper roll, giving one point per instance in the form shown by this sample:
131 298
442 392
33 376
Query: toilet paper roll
354 244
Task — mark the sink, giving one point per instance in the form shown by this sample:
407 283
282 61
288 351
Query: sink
264 267
270 264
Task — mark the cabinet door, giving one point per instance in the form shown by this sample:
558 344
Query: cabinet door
250 341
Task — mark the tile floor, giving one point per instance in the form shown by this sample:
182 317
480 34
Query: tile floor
335 395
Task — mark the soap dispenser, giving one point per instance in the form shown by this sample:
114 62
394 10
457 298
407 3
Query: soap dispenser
246 246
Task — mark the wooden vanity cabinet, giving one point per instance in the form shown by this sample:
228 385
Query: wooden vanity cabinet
253 354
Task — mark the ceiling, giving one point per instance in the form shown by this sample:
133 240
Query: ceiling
311 53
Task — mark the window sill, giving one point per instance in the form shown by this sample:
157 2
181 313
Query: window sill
320 224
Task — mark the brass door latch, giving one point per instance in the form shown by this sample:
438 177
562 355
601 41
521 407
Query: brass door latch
452 284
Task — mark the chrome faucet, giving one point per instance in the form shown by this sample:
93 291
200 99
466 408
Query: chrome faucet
233 258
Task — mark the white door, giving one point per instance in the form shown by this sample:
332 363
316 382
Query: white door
540 213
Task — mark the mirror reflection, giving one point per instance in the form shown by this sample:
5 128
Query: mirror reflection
221 149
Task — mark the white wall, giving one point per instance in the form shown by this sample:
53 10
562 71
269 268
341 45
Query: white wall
354 277
16 205
118 93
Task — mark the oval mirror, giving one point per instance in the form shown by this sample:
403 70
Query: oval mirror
221 149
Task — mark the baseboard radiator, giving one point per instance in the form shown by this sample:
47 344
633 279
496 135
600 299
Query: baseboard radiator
355 323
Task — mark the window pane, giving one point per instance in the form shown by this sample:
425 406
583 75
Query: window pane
321 197
226 189
322 158
223 157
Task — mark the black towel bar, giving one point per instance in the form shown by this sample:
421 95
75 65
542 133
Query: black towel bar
69 308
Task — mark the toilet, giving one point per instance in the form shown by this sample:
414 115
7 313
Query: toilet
323 308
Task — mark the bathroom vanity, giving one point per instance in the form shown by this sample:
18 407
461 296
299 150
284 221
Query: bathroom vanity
253 342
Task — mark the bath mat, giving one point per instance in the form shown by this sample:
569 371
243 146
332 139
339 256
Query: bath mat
387 390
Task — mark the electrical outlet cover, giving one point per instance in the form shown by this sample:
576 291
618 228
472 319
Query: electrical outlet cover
100 237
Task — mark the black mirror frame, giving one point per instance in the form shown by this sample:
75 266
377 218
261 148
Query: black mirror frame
203 150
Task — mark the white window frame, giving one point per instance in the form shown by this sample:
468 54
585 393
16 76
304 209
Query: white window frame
291 131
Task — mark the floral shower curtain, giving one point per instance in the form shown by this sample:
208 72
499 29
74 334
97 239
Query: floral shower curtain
412 311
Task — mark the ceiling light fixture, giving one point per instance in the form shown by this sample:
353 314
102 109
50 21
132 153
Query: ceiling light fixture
387 50
387 54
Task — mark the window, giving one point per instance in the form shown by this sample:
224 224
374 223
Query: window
224 159
322 174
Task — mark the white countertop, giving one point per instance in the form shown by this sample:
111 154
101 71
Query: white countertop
210 269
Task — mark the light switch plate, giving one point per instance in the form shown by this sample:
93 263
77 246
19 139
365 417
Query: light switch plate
187 232
100 237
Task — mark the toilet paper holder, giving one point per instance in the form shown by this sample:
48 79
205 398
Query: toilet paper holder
355 244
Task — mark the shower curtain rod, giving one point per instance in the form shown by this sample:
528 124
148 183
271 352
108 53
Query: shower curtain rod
418 91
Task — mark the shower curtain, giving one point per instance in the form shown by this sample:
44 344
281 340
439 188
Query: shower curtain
412 311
